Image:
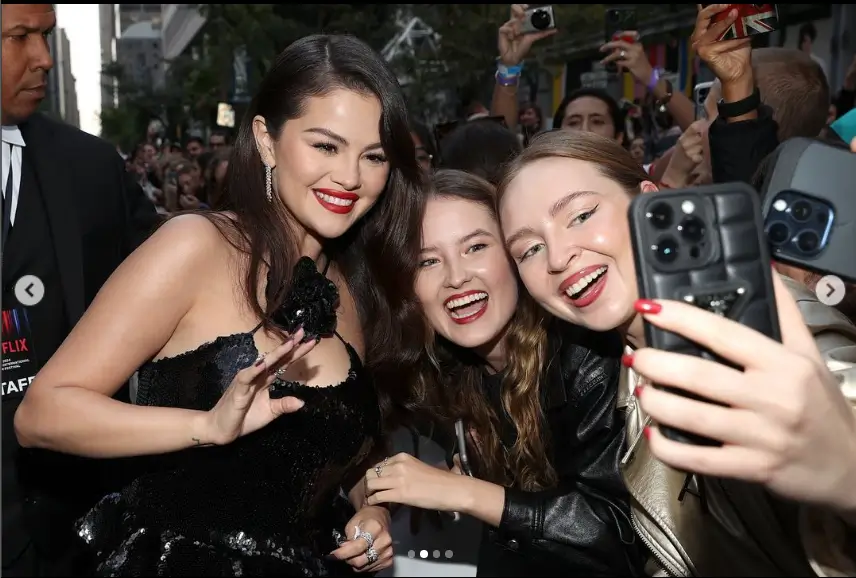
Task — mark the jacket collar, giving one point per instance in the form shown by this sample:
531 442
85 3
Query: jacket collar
553 394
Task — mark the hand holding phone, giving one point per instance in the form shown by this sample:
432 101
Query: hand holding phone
704 246
619 24
752 19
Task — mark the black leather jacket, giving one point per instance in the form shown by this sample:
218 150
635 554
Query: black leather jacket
582 527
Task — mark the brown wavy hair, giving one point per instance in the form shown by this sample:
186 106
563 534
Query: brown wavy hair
449 378
612 159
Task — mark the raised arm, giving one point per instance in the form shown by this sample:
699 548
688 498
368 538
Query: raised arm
513 47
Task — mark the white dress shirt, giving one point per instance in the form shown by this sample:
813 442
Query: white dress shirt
11 157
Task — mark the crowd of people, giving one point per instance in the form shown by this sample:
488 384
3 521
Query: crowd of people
176 179
336 274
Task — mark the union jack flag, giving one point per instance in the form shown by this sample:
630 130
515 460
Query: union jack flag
753 19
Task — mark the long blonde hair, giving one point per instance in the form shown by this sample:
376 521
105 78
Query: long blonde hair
450 378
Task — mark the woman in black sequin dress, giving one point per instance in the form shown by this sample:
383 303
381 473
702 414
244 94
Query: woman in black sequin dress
255 410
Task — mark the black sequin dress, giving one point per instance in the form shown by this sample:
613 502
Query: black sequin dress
269 504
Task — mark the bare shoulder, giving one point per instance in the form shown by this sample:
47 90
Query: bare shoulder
189 237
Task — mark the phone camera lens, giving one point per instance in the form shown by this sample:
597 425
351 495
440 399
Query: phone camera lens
692 229
666 250
661 216
808 242
540 19
778 233
801 211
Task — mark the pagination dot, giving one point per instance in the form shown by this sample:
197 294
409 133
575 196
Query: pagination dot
448 554
423 554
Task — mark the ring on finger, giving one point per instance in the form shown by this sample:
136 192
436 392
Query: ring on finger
378 469
367 536
372 555
622 54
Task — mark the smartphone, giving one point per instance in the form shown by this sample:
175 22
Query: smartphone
171 178
617 21
809 204
700 92
752 19
461 434
538 20
704 246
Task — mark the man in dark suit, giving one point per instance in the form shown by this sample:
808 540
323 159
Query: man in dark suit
71 214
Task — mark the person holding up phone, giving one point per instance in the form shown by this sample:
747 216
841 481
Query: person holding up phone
536 400
788 430
513 44
628 53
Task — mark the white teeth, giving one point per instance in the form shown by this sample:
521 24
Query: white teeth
464 301
334 200
580 285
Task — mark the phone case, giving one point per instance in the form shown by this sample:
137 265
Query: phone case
731 276
752 19
827 173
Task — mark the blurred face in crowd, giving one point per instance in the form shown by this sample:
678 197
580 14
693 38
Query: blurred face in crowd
566 228
216 141
422 156
26 58
188 183
637 149
590 114
465 283
149 154
529 117
194 148
328 165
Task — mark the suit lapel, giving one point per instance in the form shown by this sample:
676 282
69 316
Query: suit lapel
55 184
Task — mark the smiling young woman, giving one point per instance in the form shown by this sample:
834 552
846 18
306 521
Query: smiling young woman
538 399
563 205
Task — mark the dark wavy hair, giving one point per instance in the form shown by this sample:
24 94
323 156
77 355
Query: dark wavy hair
374 256
449 378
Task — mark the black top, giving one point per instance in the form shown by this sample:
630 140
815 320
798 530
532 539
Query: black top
268 504
582 527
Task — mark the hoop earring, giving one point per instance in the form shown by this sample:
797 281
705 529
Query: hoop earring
268 183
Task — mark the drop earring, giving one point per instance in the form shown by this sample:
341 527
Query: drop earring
268 183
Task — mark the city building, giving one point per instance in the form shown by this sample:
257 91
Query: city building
61 98
114 19
181 26
138 53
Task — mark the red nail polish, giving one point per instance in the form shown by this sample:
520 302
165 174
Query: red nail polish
260 361
638 391
647 306
646 431
627 360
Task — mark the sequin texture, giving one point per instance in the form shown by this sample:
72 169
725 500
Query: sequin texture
268 504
